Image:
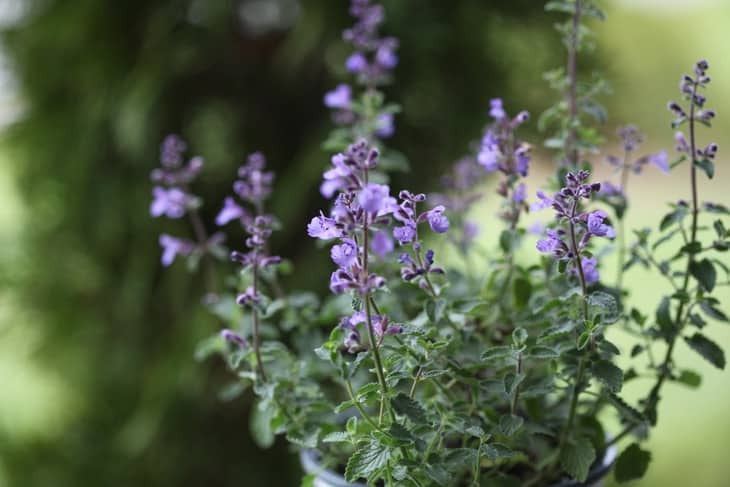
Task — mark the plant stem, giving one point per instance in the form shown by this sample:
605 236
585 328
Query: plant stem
571 143
255 318
653 398
621 223
359 407
516 396
582 361
371 333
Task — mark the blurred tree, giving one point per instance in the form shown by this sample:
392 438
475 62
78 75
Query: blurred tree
102 82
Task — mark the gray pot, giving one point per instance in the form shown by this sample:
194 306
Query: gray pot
309 459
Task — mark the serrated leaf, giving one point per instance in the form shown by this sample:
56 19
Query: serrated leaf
705 273
509 424
336 437
409 407
609 374
576 458
354 366
708 349
497 353
603 305
544 352
625 409
556 330
663 316
631 464
366 460
497 451
511 381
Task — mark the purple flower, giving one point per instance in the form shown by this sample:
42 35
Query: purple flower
471 230
522 160
660 160
172 247
520 193
489 153
385 55
324 228
171 151
384 127
344 254
255 183
356 63
374 198
610 189
550 244
173 202
545 202
590 269
231 211
536 228
437 220
248 298
597 227
234 338
382 244
496 110
405 234
340 97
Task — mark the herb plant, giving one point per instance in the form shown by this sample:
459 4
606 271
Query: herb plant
416 373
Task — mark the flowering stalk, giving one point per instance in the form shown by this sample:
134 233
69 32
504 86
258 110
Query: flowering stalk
689 87
616 196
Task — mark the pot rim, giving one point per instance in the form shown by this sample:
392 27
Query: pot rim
309 459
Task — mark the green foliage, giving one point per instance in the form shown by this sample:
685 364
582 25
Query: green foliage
632 463
577 457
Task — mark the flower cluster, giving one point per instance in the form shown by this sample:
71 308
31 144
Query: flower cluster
689 86
575 228
374 56
171 198
381 327
501 151
372 61
253 187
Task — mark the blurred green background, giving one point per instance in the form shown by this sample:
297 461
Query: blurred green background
98 385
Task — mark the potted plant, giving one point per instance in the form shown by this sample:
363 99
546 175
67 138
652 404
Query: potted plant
489 367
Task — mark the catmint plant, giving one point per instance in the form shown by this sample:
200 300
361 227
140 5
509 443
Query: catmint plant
409 373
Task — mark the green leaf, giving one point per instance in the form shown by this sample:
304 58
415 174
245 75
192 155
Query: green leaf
705 273
544 352
577 458
499 352
511 381
709 350
663 316
497 451
583 340
509 424
408 407
522 291
706 165
631 464
519 336
710 310
625 410
260 427
556 330
353 366
435 310
673 217
366 460
336 437
609 374
689 378
603 305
